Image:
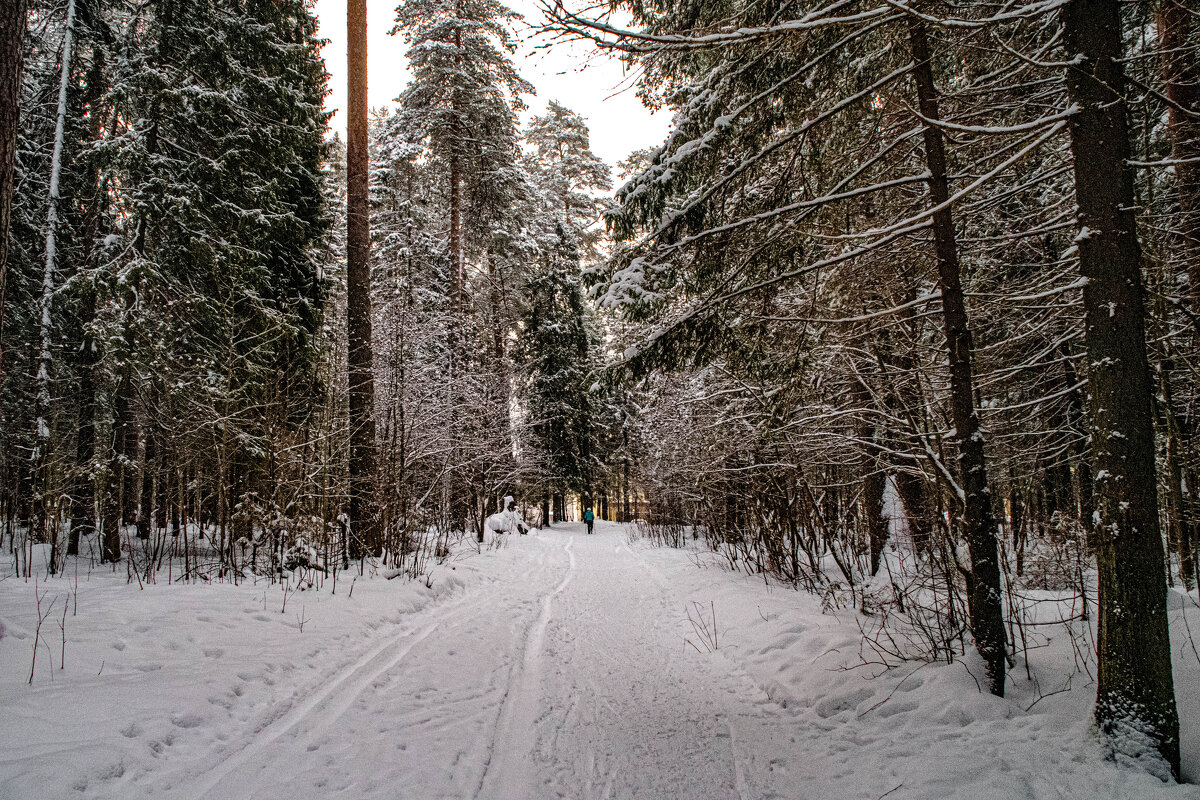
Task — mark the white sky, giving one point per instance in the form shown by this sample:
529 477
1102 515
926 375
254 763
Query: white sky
570 73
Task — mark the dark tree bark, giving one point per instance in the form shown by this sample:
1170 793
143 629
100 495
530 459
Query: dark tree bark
1177 28
918 507
1179 528
12 51
457 267
131 471
1080 453
363 505
874 480
83 500
1016 502
114 501
145 515
83 506
978 524
162 478
1135 691
872 508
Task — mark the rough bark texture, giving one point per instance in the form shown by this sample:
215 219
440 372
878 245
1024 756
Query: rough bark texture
1135 699
363 511
978 524
12 49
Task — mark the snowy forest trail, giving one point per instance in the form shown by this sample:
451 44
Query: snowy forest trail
567 679
554 665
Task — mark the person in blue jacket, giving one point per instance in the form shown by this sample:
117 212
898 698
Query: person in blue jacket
590 519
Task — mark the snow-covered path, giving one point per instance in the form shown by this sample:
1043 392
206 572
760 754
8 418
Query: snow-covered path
571 680
554 666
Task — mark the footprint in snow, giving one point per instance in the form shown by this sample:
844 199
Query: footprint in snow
838 704
893 708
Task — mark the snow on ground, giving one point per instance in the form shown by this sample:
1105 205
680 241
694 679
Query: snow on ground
560 665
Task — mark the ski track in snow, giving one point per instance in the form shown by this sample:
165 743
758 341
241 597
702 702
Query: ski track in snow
505 775
571 680
314 716
247 772
566 669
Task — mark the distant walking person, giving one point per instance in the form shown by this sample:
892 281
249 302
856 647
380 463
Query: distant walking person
590 519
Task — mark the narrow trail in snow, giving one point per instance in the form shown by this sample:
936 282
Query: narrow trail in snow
569 678
506 772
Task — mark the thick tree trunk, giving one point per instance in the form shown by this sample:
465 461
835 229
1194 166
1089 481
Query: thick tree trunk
1135 697
363 505
12 51
978 524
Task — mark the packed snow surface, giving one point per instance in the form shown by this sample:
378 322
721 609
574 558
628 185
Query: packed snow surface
555 665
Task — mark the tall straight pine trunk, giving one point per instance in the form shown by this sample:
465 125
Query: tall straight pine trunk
1135 699
978 523
364 523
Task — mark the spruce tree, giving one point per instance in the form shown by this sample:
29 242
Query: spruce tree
458 113
461 106
554 349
